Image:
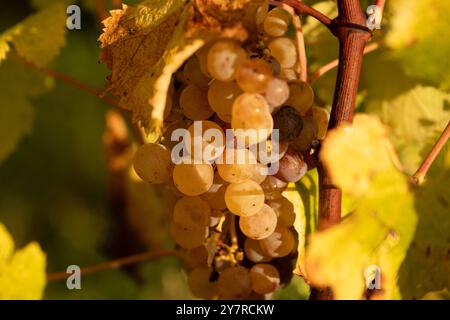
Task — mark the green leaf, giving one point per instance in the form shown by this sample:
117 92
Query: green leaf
415 119
308 188
417 30
39 37
427 265
294 197
16 112
22 273
380 229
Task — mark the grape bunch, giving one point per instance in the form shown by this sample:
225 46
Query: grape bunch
231 218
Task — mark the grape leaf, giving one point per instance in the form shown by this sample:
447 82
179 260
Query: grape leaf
427 265
144 45
16 113
39 37
380 229
295 198
415 118
416 32
22 273
308 188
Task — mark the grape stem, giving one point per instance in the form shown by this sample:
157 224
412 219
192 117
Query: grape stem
118 263
302 68
303 8
419 177
233 235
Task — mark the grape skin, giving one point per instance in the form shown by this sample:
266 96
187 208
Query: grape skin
223 58
200 284
188 238
284 209
192 212
279 244
234 283
251 114
254 75
265 278
193 179
245 198
253 251
260 225
152 163
194 103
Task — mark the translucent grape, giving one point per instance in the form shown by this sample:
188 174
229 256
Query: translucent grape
301 97
260 225
273 187
223 57
253 251
202 55
193 73
277 93
276 22
279 244
152 163
245 198
234 283
291 167
208 143
221 96
215 196
193 179
194 103
284 209
236 165
288 74
254 75
284 50
188 238
200 284
258 173
265 278
191 212
261 12
251 114
321 117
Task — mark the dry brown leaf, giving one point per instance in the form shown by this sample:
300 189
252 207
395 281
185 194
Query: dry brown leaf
144 45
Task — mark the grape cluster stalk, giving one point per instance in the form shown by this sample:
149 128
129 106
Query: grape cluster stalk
231 216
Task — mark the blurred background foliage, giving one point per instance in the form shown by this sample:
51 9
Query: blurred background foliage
54 187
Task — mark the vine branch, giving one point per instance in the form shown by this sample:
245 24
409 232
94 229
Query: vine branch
303 8
420 174
117 263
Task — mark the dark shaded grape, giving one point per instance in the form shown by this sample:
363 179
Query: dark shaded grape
289 123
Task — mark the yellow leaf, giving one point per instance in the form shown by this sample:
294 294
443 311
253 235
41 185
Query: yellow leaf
362 153
22 273
292 194
380 229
